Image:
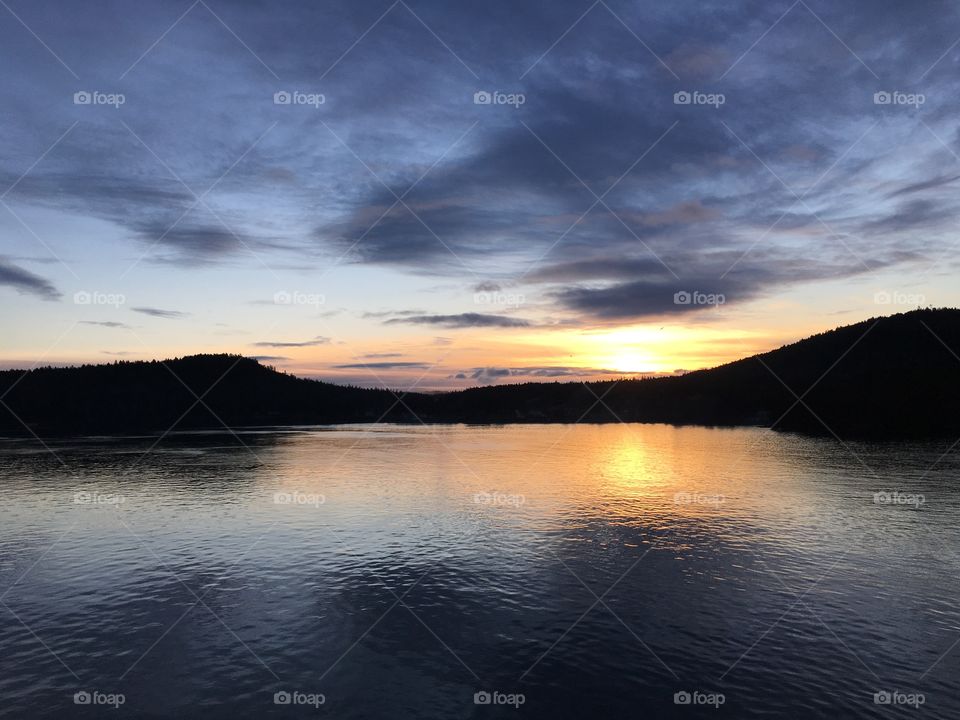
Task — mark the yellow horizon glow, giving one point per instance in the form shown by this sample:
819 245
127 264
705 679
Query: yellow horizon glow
602 352
649 348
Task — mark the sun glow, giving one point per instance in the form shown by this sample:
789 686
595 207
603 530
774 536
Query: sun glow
632 361
661 349
638 349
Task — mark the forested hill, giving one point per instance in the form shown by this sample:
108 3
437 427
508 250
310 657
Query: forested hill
891 377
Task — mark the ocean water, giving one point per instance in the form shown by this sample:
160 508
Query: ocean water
544 571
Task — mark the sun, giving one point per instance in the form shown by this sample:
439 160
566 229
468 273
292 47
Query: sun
632 361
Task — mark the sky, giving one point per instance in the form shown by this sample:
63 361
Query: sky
425 194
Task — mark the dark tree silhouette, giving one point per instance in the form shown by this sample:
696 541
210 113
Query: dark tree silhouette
891 377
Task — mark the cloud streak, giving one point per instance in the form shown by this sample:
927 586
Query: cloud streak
383 366
295 344
160 313
462 320
105 324
25 282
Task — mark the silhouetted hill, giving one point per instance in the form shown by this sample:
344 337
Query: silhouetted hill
130 397
892 377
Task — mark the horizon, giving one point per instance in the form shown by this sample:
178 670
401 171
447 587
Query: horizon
424 195
503 380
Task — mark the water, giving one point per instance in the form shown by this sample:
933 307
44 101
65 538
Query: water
595 570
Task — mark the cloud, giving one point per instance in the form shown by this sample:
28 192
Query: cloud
268 358
685 213
158 313
604 268
25 282
105 323
194 243
623 288
463 320
924 185
390 313
494 191
698 61
911 215
319 340
384 366
492 374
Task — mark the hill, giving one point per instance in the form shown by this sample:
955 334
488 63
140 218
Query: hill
890 377
201 391
885 378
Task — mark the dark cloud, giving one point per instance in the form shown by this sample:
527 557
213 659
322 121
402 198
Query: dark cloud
493 374
158 313
717 173
490 374
599 268
25 282
191 244
463 320
268 358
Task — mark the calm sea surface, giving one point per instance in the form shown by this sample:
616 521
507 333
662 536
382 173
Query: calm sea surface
473 572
